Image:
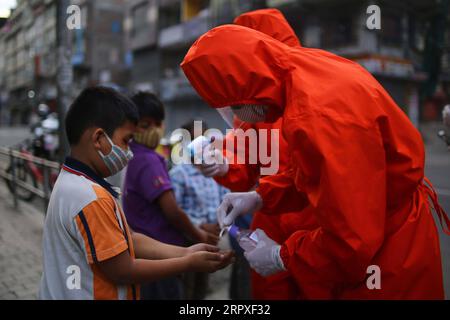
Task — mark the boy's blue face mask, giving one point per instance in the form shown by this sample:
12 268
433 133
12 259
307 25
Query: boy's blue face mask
117 159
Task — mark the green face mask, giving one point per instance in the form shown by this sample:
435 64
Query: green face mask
150 137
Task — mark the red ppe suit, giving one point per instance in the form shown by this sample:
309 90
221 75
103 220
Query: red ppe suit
243 177
355 156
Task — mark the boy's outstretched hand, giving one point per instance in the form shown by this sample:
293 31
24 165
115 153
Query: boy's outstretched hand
202 247
207 261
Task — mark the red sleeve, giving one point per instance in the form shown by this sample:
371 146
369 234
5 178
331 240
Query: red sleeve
280 194
343 172
240 177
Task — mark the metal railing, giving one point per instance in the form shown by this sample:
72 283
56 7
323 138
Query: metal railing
42 171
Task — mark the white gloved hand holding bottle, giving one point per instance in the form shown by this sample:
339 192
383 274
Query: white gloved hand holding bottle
265 258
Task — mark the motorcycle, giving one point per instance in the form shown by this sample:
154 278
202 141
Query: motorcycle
28 172
444 133
45 136
44 143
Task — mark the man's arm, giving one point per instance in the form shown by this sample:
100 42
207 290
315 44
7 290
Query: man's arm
179 219
148 248
240 177
123 269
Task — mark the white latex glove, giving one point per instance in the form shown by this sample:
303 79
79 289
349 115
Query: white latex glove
265 259
237 204
214 163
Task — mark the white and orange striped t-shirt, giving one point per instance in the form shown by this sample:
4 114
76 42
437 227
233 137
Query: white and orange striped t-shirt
84 225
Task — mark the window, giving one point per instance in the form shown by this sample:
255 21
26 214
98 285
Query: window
416 33
139 17
191 8
391 24
337 32
446 53
169 16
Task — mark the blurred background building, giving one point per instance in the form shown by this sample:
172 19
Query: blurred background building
139 44
28 63
160 34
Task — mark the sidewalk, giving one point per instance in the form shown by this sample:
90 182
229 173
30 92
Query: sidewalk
20 248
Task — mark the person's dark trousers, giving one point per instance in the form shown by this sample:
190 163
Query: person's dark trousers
240 285
195 285
165 289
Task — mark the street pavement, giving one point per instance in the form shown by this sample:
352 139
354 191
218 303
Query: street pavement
437 169
20 248
21 229
10 136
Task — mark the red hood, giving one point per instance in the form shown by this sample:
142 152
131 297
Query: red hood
271 22
257 69
249 72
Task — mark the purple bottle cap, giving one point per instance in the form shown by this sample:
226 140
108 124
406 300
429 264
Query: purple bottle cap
234 230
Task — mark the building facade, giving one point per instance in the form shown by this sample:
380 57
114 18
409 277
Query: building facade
139 44
169 27
394 54
29 41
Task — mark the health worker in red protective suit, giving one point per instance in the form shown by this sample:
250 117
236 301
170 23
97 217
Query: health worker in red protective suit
244 176
355 157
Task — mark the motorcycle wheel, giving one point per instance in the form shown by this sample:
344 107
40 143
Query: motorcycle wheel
23 173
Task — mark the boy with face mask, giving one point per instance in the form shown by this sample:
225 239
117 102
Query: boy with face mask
149 201
89 252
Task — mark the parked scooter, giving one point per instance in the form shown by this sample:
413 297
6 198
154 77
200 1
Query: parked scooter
444 134
45 141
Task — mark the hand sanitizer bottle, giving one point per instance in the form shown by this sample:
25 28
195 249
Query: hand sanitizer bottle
196 147
247 239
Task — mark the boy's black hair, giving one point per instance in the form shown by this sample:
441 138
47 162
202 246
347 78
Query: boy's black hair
100 107
149 105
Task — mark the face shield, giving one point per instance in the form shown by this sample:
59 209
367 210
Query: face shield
249 113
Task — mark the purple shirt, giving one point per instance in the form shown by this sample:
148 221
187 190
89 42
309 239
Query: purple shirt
146 179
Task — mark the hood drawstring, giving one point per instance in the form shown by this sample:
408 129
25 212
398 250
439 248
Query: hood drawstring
442 215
